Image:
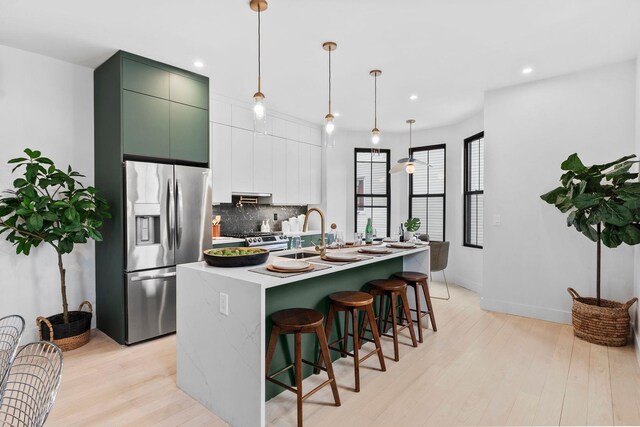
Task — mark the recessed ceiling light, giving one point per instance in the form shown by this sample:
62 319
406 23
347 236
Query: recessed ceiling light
527 70
198 64
336 114
413 97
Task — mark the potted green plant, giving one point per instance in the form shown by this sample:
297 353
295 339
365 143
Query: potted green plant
411 225
49 205
603 203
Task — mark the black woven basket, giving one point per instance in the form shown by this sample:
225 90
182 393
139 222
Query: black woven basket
79 323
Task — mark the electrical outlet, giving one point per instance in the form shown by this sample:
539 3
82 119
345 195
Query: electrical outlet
224 304
275 216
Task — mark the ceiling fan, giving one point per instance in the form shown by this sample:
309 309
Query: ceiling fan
408 164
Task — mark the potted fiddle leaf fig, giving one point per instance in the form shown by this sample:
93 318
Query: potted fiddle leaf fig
603 203
51 206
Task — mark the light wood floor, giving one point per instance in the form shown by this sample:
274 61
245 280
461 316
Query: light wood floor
480 368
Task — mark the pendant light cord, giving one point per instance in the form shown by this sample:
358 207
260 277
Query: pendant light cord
259 43
375 101
329 80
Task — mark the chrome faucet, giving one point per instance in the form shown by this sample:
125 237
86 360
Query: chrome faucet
322 248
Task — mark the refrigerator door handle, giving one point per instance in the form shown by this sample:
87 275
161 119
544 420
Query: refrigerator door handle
179 213
170 213
157 276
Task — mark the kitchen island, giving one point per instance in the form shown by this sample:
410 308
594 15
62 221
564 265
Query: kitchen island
220 357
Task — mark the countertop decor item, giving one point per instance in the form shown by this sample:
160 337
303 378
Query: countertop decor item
235 257
49 205
411 226
603 203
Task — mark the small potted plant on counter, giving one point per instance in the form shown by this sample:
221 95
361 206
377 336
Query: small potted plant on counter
411 226
603 202
49 205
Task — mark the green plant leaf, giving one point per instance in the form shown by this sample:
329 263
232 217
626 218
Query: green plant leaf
17 160
615 214
35 221
20 182
611 236
552 196
620 169
629 191
631 234
590 232
573 163
587 200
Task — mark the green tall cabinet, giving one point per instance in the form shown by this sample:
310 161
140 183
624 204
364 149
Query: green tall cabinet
143 110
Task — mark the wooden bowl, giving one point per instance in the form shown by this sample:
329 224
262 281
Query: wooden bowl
259 257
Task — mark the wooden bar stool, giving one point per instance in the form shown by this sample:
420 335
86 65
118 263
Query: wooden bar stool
393 289
300 321
351 302
419 281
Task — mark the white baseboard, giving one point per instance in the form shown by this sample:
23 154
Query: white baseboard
552 315
467 284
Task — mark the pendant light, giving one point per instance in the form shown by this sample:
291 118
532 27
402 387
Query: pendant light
408 164
259 110
375 132
329 127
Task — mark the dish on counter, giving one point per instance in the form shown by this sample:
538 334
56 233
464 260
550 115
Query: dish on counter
341 257
235 257
402 245
272 267
389 240
290 265
374 250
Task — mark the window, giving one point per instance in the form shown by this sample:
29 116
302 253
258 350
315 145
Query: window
474 190
372 190
427 190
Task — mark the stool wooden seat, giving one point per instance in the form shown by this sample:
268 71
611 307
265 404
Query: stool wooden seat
418 281
351 302
299 321
392 289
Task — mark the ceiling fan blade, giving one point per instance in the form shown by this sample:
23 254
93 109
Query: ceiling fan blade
404 160
398 167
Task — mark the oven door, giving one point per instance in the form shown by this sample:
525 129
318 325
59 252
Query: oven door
274 247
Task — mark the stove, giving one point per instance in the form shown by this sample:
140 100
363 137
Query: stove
269 241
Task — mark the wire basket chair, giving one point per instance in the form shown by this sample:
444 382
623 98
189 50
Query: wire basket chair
31 385
11 329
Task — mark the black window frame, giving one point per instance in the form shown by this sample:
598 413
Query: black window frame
426 195
355 187
466 193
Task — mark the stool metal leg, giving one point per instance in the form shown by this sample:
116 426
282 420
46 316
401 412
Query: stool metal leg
298 368
446 285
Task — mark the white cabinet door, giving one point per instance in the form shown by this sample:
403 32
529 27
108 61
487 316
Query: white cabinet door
221 162
241 160
263 164
293 172
279 170
315 169
304 153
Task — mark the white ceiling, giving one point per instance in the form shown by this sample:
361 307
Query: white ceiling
447 52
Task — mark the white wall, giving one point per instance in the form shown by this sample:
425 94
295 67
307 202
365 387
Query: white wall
532 258
45 104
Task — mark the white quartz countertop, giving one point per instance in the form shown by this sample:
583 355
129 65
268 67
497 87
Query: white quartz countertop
301 233
243 274
224 240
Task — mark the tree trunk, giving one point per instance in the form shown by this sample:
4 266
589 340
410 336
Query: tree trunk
63 289
598 268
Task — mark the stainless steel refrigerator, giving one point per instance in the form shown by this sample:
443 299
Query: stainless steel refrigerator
168 222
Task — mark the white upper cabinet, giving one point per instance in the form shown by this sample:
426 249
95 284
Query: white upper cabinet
315 172
241 160
263 164
279 169
221 162
293 172
304 154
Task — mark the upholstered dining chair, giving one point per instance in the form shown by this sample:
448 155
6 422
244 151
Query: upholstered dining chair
439 260
11 329
31 385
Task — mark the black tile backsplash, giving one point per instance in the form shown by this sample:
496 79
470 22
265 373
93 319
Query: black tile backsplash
249 217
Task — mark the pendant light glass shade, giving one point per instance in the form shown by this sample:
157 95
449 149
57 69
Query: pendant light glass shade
259 108
375 132
408 164
329 126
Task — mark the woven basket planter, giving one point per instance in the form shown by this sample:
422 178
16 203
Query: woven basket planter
606 324
67 336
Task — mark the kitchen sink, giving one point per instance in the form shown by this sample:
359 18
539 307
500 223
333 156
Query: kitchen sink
301 255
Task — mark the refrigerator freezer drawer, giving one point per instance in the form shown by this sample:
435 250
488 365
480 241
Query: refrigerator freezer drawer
151 304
